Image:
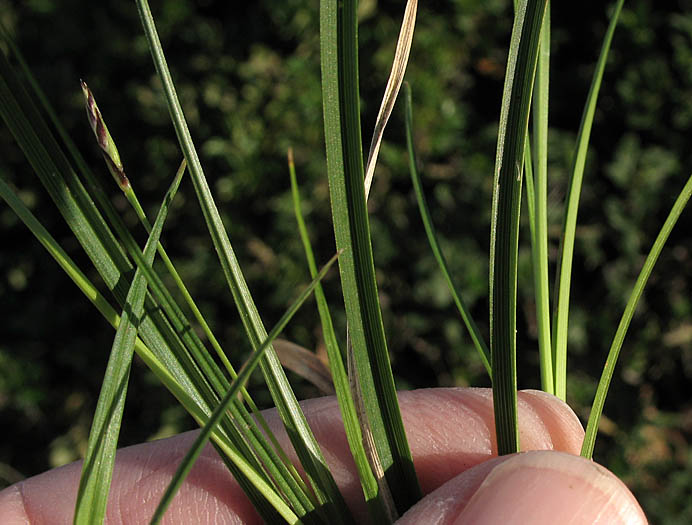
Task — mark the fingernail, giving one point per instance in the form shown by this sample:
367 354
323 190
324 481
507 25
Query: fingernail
551 487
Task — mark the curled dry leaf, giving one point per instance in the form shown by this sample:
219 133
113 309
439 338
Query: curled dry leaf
396 77
306 364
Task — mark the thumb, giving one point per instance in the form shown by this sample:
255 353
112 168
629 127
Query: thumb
533 487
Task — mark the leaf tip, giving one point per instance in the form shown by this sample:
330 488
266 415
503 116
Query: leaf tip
291 163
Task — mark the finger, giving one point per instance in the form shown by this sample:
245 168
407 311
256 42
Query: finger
140 477
449 431
533 487
453 429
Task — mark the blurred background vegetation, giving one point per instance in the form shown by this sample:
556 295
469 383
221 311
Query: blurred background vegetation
249 81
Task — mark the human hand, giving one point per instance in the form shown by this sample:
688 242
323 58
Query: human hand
451 433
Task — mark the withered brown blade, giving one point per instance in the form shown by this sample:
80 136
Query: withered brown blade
306 364
396 77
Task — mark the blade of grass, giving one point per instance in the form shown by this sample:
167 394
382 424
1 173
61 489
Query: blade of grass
564 275
530 190
322 482
379 507
77 207
43 153
471 326
539 244
504 237
98 300
277 466
608 369
54 249
91 292
97 469
252 444
340 99
537 204
247 369
391 91
115 166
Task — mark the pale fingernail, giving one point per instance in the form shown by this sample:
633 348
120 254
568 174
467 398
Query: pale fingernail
551 487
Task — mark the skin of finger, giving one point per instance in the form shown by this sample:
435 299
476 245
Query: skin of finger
453 429
441 506
141 475
449 430
532 487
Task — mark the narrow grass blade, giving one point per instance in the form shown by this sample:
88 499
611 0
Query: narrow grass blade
116 168
97 469
396 77
247 369
340 98
42 151
54 249
379 507
471 326
92 293
306 447
530 190
504 236
608 369
369 444
539 244
564 275
169 359
252 445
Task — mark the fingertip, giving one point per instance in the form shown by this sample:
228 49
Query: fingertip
453 429
551 487
532 487
449 430
560 422
12 508
50 497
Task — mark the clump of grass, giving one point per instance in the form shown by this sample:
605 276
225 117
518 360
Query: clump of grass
158 328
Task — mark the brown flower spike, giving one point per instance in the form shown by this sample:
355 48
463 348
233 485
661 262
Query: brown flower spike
104 139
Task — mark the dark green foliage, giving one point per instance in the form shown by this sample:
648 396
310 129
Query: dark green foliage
249 81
